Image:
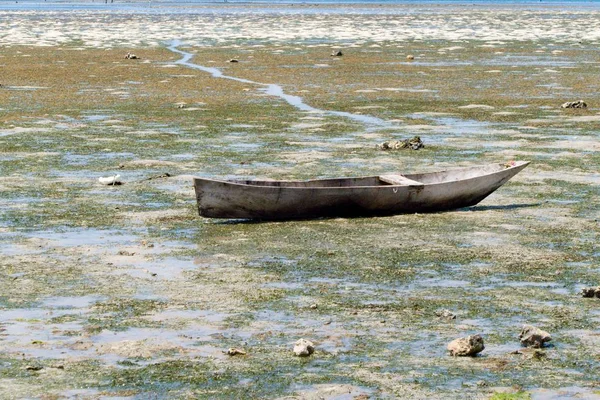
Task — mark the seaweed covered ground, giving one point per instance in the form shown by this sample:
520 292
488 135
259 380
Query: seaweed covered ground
124 291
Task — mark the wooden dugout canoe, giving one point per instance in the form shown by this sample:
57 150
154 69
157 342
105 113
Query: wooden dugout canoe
362 196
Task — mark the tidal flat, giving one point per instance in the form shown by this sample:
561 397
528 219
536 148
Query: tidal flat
125 292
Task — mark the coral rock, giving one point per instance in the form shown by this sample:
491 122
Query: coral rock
531 336
446 314
466 346
235 352
591 292
574 104
414 143
304 348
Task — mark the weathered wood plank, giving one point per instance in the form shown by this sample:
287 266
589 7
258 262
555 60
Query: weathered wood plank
399 180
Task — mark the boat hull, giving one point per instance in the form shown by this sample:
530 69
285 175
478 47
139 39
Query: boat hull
278 200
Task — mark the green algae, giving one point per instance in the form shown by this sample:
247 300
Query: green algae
377 283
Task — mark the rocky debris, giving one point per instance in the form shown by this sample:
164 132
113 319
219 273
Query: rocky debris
414 143
145 243
233 60
410 57
303 348
574 104
125 253
531 336
130 56
336 53
159 176
591 292
466 346
446 314
235 352
535 354
81 345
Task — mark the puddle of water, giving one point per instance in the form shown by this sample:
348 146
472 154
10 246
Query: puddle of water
12 249
71 302
572 392
285 285
207 315
87 237
167 268
441 283
94 118
548 285
274 90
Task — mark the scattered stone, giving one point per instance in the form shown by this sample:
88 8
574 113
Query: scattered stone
535 354
574 104
130 56
304 348
531 336
446 314
466 346
125 253
233 60
591 292
414 143
410 57
336 53
235 352
159 176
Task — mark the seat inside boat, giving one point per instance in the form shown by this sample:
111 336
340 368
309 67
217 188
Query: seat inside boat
397 179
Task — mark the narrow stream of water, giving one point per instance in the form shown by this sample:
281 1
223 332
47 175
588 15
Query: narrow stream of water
275 90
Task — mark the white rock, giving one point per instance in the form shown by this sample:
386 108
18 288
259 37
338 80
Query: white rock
110 180
304 348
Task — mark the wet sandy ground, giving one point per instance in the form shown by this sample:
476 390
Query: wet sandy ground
125 292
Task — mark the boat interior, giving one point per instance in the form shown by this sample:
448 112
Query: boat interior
451 175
